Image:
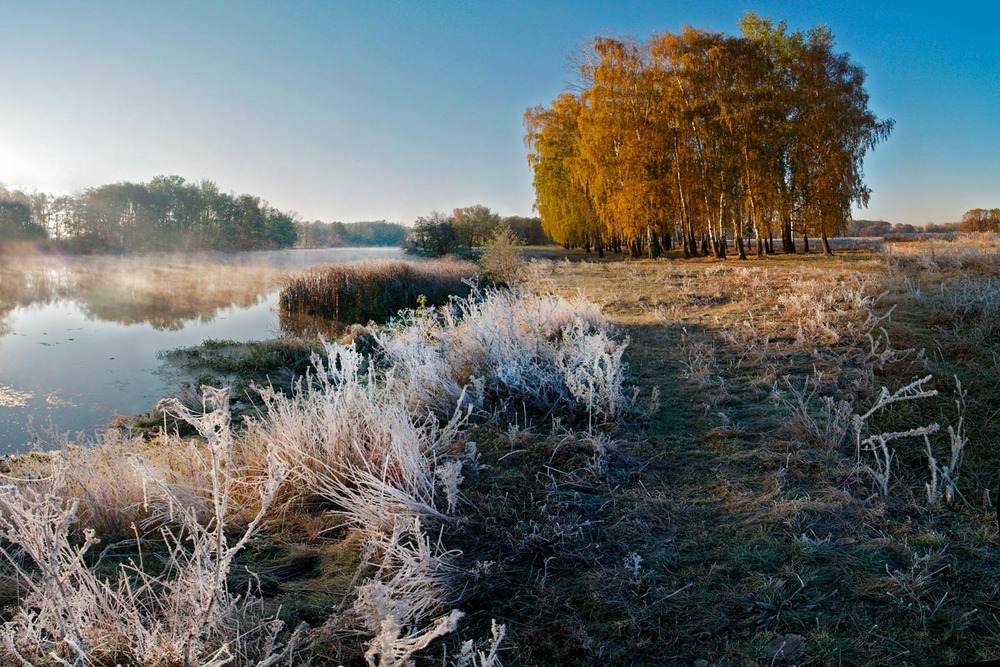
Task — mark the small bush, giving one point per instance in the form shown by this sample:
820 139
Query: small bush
502 261
363 291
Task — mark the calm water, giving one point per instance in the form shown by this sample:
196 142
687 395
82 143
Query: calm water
79 336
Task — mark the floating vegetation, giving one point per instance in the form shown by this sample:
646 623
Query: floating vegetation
14 398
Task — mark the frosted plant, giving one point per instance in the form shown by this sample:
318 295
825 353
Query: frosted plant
501 260
468 656
878 444
593 372
944 480
182 613
412 582
511 347
449 475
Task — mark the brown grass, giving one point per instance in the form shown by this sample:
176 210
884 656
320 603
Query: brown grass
373 290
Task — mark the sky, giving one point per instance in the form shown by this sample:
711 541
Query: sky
367 110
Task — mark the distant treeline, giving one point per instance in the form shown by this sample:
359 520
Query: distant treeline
466 228
169 213
317 234
976 220
166 213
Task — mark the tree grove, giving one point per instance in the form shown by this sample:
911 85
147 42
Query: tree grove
699 138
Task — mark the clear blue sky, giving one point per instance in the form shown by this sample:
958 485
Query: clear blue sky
345 110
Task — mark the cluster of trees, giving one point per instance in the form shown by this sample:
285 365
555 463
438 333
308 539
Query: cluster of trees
701 137
318 234
16 221
981 220
167 213
467 228
878 228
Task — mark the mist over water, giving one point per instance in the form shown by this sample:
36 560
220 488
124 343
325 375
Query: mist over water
79 336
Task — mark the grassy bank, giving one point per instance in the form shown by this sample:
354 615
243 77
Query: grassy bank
317 532
805 476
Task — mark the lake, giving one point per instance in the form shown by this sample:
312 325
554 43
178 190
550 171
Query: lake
79 336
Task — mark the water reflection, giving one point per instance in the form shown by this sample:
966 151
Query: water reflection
79 336
164 293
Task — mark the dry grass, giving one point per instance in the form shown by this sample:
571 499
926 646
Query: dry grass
742 518
373 290
349 457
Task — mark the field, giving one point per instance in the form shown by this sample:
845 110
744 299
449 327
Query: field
742 524
804 474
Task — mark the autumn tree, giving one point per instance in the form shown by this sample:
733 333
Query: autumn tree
703 136
834 130
561 196
474 224
981 220
621 161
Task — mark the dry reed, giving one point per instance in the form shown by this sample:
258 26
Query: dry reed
373 290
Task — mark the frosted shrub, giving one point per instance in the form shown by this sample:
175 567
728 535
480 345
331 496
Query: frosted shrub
349 435
351 439
823 417
593 370
184 613
412 583
512 346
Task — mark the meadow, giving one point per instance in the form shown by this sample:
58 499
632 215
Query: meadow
787 460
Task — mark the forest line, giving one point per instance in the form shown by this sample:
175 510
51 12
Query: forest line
169 213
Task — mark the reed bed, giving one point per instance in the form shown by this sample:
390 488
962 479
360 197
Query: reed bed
374 290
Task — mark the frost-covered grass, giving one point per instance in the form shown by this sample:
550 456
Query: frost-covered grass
135 552
736 522
507 349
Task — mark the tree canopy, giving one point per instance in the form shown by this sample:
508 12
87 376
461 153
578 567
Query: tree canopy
166 213
981 220
699 137
469 227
